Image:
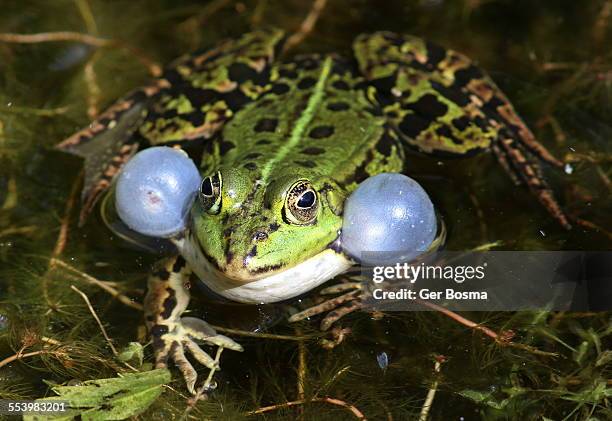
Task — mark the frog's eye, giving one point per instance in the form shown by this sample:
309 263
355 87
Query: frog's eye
210 193
301 203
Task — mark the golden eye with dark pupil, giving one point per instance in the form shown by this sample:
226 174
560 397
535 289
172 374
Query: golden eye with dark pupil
210 193
301 204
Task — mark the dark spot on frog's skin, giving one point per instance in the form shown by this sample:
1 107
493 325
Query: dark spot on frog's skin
435 54
280 88
445 131
465 75
199 97
240 72
338 106
429 105
229 231
495 102
306 164
288 74
274 227
266 268
250 166
158 330
313 151
196 118
266 125
224 219
461 123
166 113
411 125
236 99
306 83
341 85
162 274
150 318
384 99
375 111
253 155
384 84
384 144
179 264
260 236
229 256
455 95
225 146
321 132
169 303
173 76
263 142
252 253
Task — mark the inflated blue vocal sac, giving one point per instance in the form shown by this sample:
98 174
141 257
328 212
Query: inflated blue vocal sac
155 191
389 218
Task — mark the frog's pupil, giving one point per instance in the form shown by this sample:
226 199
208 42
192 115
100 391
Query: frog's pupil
207 189
306 200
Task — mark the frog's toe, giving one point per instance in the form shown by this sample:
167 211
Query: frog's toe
336 307
200 330
185 367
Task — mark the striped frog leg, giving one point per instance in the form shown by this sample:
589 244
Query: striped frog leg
440 102
173 336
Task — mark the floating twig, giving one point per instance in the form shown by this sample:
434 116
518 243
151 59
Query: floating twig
95 41
19 356
333 401
307 25
92 40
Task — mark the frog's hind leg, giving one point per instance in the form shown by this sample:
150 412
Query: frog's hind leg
192 100
167 298
442 103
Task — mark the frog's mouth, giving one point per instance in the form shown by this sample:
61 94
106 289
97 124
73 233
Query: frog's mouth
276 285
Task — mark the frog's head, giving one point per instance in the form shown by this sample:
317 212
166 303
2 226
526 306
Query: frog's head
249 230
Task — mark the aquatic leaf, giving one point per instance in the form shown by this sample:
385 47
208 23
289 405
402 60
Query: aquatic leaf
133 351
109 399
483 398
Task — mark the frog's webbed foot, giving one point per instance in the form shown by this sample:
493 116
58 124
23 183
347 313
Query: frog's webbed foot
336 307
175 336
174 345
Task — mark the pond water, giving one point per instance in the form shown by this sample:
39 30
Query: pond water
551 58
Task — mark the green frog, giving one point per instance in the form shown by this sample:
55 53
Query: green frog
282 144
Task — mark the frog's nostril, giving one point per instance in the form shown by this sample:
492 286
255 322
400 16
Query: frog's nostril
260 236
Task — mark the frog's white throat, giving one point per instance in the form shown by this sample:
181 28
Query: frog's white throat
280 286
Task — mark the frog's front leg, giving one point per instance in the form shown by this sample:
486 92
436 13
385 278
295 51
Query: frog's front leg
167 298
